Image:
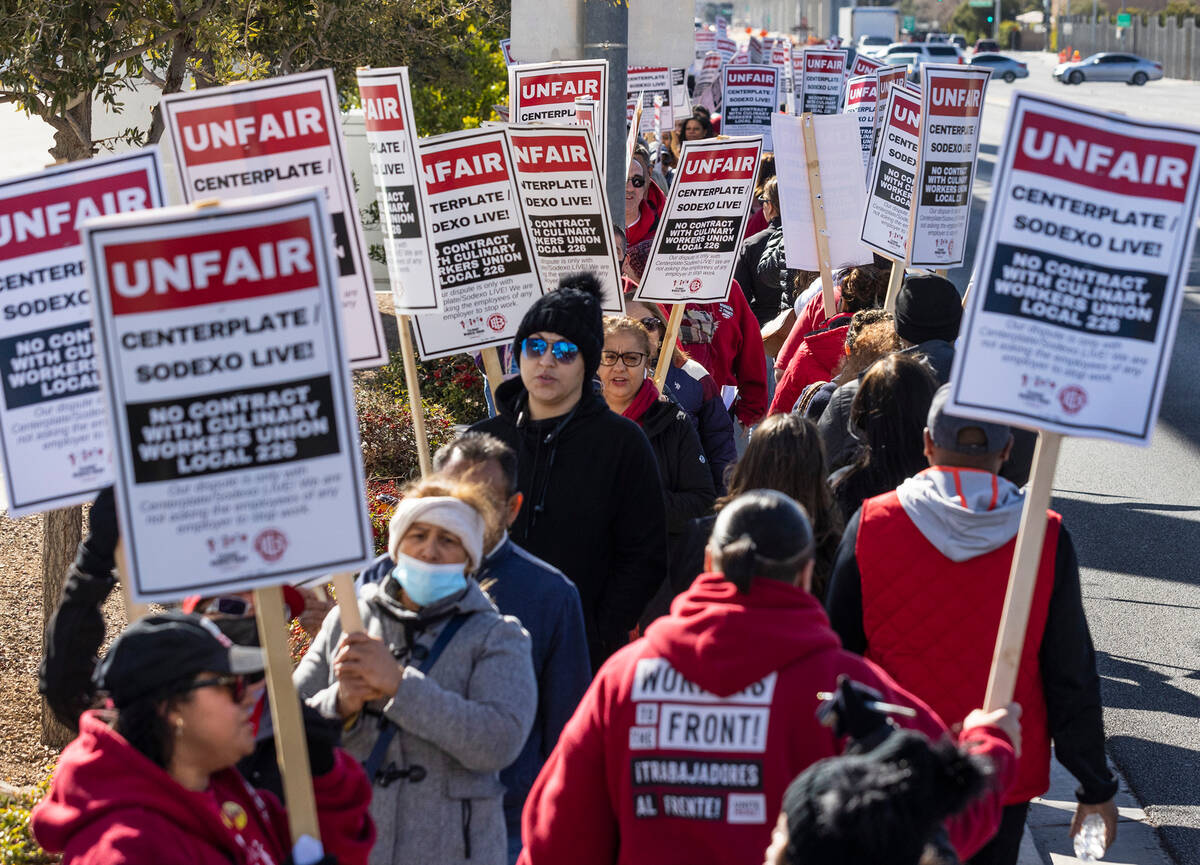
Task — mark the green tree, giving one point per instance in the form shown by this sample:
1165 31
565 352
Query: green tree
61 56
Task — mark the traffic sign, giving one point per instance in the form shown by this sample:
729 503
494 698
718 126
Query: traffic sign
910 23
1124 19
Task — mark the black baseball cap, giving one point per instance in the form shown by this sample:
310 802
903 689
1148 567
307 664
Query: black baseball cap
945 427
163 653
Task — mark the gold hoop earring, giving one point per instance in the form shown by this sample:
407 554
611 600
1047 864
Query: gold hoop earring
178 727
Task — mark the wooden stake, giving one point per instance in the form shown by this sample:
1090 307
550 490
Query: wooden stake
347 601
667 347
133 609
291 746
493 370
894 283
817 201
1006 660
413 383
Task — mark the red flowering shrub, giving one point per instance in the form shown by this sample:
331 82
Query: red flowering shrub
452 382
385 428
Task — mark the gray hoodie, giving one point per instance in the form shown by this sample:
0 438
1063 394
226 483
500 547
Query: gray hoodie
462 723
963 512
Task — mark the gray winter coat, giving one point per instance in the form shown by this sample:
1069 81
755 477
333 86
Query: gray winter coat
462 724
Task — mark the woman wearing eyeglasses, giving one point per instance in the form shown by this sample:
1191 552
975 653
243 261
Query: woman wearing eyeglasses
153 780
630 392
644 201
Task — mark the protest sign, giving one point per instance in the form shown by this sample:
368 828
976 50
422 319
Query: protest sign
226 377
705 41
274 135
781 59
837 142
563 198
585 116
709 71
681 106
951 104
750 97
893 169
53 424
546 93
483 260
697 240
863 65
652 81
754 51
886 77
392 139
860 104
820 91
506 50
1081 269
727 48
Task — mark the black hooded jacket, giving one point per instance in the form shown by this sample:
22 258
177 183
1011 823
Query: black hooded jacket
593 507
686 479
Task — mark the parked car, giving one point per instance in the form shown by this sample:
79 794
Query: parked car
873 46
937 37
1002 67
1110 66
916 53
987 46
959 40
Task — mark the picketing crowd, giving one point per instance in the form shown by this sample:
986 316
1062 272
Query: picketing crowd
748 617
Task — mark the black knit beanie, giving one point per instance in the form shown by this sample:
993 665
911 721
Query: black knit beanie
882 806
928 307
574 311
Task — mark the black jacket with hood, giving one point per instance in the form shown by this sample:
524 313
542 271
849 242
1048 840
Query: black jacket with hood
593 507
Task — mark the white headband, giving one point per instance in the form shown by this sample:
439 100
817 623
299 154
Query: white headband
446 512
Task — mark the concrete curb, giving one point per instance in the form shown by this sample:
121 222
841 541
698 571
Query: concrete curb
1046 840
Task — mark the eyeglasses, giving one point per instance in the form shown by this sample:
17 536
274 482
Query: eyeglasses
650 322
638 181
627 358
228 606
563 351
237 686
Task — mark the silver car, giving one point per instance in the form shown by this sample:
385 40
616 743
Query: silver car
1002 67
1110 66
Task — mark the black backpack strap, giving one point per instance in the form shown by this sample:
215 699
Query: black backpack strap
388 729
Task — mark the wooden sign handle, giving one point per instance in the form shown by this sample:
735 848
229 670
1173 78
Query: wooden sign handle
494 372
1006 660
347 602
667 348
413 383
894 283
817 201
133 609
291 746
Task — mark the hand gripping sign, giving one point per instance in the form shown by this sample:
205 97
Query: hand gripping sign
562 195
860 104
1070 326
483 257
696 244
750 95
392 139
951 109
893 170
820 91
275 135
53 426
228 392
546 92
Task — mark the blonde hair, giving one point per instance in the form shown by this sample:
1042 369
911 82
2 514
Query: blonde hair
472 494
615 324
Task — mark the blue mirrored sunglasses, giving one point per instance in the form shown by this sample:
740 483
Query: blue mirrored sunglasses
563 351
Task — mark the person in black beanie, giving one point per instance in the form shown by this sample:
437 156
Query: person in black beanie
594 504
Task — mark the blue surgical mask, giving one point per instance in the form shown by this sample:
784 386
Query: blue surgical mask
425 583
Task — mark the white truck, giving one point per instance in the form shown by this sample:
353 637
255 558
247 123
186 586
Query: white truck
854 22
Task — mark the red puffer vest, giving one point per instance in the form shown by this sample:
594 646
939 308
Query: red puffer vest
931 623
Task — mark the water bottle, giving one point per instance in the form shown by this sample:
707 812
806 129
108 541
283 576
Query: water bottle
1089 842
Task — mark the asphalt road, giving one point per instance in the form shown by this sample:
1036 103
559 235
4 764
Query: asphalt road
1134 514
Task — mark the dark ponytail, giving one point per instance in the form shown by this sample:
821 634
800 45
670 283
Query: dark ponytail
143 724
761 533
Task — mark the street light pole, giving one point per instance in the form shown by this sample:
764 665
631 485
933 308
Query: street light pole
605 37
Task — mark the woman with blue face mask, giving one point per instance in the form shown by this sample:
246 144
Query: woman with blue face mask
439 693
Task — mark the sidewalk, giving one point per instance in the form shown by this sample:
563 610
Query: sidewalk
1046 841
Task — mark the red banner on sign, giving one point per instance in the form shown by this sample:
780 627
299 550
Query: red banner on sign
281 124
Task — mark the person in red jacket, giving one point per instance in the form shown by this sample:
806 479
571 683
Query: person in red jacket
155 781
820 350
725 339
918 587
686 739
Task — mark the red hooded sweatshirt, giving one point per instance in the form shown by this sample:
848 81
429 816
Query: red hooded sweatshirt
687 738
110 804
815 360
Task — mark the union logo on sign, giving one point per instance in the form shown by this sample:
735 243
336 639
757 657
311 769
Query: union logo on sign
497 322
1072 398
271 544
